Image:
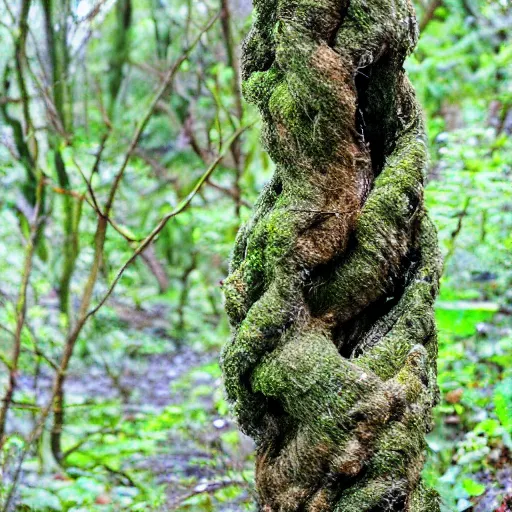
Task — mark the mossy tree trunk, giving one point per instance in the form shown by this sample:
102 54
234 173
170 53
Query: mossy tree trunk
332 363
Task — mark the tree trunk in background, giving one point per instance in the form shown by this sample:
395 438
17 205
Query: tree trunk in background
55 24
332 363
120 50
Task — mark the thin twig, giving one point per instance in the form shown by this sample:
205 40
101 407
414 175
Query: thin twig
21 310
428 16
142 125
86 439
206 488
182 206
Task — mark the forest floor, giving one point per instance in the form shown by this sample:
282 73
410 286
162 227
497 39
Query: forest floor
152 431
199 453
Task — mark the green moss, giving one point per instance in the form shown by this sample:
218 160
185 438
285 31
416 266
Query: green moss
260 86
389 214
336 249
367 495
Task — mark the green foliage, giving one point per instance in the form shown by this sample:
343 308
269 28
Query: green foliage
462 72
503 403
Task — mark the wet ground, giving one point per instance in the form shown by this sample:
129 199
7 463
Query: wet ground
191 460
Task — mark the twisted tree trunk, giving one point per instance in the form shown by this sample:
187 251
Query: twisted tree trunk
332 363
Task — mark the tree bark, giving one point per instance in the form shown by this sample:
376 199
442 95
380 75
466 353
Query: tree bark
332 364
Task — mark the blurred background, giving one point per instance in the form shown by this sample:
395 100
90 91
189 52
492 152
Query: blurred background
128 161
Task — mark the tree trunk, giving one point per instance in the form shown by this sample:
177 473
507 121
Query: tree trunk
58 53
332 363
120 49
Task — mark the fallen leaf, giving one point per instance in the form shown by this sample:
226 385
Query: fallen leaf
453 397
103 499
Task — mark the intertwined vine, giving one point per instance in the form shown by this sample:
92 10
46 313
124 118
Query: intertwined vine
332 364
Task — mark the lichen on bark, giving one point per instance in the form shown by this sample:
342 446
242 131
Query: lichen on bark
331 367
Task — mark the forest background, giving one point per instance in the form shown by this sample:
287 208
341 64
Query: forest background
128 161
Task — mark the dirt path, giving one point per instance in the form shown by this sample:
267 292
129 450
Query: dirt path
194 459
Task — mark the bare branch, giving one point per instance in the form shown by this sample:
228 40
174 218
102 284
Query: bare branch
428 16
142 125
181 207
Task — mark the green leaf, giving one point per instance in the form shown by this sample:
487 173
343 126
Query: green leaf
472 487
40 499
503 403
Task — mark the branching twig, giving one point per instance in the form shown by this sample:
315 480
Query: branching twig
21 310
456 232
206 488
428 16
169 77
181 207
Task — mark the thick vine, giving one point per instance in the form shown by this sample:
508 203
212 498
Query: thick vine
332 363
